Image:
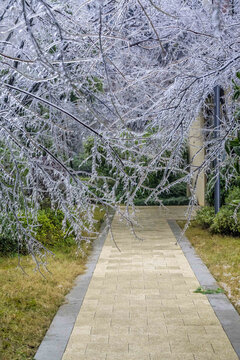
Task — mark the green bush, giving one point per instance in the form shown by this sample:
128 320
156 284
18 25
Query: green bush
50 232
177 191
8 243
233 197
8 237
210 190
226 186
175 196
224 222
205 217
86 166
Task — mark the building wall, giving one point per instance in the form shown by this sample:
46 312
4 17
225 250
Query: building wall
196 144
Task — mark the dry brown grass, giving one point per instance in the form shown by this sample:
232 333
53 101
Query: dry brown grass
28 303
221 254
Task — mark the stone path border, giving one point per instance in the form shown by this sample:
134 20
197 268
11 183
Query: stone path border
57 336
224 310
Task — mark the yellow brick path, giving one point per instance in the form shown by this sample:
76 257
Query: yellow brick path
140 303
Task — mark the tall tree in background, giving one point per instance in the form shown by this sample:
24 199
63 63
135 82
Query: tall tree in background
132 75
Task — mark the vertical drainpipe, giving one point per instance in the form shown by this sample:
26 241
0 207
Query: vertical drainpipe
216 135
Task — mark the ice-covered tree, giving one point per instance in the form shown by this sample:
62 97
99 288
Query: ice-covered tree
130 75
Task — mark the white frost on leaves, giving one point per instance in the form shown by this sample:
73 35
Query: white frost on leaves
133 77
216 17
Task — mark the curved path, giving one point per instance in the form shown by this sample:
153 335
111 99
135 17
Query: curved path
140 302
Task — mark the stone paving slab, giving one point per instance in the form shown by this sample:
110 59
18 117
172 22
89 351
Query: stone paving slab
140 302
224 310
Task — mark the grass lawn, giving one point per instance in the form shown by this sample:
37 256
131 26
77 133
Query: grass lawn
28 303
221 254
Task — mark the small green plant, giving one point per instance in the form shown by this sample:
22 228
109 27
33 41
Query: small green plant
225 223
201 290
50 231
205 217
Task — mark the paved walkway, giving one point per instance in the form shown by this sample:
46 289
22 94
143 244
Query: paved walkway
140 302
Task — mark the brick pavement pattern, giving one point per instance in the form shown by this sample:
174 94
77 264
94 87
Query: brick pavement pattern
140 303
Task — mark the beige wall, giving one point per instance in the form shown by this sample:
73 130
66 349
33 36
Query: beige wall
196 144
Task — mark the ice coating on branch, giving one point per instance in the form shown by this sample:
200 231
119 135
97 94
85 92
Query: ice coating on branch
216 17
126 83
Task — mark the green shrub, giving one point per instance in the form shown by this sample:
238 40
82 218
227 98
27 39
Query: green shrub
228 181
50 232
86 166
233 197
175 196
224 222
178 200
205 217
210 190
8 243
177 191
8 237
